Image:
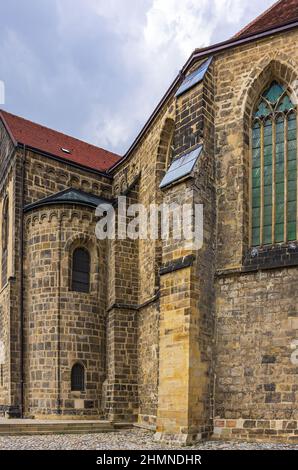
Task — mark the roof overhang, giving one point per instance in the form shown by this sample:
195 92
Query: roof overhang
69 196
64 160
22 145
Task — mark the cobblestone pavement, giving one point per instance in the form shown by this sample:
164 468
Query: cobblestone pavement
129 439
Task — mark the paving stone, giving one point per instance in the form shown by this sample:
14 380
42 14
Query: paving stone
134 439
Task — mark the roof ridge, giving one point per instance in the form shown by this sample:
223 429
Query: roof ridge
57 131
54 199
252 22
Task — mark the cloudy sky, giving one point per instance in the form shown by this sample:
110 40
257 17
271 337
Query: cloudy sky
96 69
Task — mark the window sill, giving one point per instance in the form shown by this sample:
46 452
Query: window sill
91 293
78 394
271 256
80 292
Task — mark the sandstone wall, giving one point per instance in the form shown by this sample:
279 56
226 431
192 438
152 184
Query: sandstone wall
147 166
241 74
256 307
10 169
148 361
46 176
256 378
63 327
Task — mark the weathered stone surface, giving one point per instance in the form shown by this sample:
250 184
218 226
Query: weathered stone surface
190 342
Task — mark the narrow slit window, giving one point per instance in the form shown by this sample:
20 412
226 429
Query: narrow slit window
5 226
5 239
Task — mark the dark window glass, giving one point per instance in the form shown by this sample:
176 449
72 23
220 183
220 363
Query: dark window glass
80 270
274 168
5 226
5 235
78 378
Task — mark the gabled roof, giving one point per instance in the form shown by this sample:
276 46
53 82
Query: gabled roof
69 196
55 143
279 14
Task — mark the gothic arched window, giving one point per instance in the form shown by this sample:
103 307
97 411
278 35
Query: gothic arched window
80 270
274 168
78 378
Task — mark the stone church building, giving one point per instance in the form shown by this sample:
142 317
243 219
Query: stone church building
190 343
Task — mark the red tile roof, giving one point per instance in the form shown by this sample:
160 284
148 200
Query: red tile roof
279 14
47 140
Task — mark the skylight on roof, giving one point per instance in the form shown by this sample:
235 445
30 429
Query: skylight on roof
194 77
65 150
181 167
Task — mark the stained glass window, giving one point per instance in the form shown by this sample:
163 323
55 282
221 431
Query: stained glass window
274 168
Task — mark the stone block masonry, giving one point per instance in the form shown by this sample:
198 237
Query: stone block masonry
62 327
256 378
277 430
191 343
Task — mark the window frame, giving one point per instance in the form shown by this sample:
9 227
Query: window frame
5 227
1 375
73 273
5 241
274 115
75 387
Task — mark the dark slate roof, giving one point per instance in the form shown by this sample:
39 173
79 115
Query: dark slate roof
181 167
69 196
193 78
279 14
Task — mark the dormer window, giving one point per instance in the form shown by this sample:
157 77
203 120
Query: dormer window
65 150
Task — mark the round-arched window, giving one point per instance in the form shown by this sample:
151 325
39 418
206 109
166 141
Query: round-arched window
78 378
80 281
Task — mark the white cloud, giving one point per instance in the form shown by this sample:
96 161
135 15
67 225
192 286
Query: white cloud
21 61
122 16
157 43
178 24
110 131
97 68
